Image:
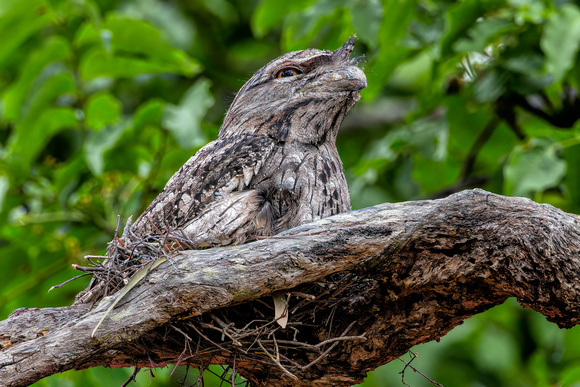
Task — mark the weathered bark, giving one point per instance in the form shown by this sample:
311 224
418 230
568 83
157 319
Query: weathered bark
428 265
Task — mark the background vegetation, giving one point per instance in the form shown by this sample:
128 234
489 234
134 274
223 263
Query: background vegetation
101 101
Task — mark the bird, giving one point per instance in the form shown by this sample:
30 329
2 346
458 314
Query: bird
274 164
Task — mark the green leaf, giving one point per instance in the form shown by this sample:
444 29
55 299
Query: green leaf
223 9
102 109
29 138
140 37
308 22
493 154
434 176
98 63
55 49
427 137
86 34
570 376
99 142
271 13
55 83
460 117
366 19
19 21
560 40
396 17
529 11
129 47
533 168
4 185
149 113
178 27
414 74
481 33
66 180
526 63
184 120
39 120
302 27
461 18
489 86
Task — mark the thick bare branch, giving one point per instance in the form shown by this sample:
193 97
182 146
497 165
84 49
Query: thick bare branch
420 268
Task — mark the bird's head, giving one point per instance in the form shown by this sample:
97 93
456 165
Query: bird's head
300 96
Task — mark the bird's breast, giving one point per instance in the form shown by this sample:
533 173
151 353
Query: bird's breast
307 184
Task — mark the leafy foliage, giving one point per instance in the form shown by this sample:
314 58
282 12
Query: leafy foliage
100 102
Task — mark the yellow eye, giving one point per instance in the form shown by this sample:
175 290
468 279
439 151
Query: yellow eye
288 72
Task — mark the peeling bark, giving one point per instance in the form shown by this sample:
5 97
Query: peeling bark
420 269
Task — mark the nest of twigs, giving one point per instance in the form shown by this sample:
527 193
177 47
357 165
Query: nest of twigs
249 333
126 255
246 332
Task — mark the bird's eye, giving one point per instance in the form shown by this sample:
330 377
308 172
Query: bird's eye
288 72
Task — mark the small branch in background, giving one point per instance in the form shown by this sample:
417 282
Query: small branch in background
132 377
565 118
408 364
505 109
476 147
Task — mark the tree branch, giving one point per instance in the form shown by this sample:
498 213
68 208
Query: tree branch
417 270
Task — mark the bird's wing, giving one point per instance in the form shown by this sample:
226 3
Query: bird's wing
210 196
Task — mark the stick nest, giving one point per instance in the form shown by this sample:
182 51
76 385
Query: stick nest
247 332
126 255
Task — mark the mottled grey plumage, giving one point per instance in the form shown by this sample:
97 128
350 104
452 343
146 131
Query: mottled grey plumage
274 164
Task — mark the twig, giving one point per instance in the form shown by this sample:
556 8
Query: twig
98 264
185 347
304 295
67 281
200 376
290 361
132 377
277 362
234 372
408 364
205 337
117 227
469 161
224 375
96 256
297 344
329 348
184 376
303 234
276 347
85 268
180 331
223 332
342 338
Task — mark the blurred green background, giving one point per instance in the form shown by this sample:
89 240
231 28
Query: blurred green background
102 101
